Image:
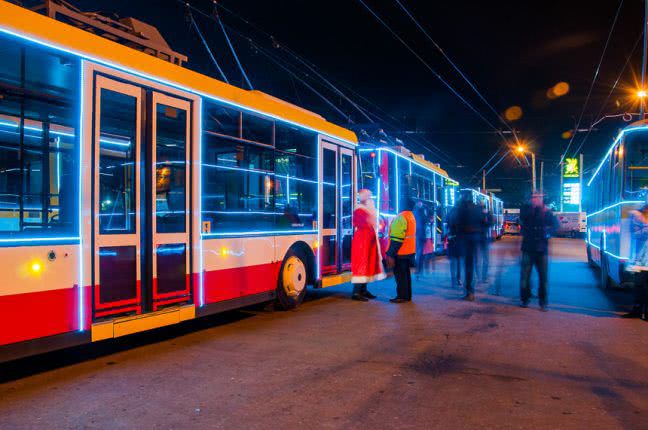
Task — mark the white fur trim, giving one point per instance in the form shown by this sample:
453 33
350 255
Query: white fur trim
367 279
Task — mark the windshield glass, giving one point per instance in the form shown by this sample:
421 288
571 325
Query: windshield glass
636 171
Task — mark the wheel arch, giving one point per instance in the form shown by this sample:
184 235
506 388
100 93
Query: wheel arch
304 249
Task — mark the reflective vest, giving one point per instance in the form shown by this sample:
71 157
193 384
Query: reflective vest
403 229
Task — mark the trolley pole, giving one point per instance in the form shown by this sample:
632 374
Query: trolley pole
643 61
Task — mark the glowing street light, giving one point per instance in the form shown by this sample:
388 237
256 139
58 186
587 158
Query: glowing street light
642 94
521 150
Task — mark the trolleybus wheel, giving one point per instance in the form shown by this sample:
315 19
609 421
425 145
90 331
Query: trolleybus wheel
589 256
293 278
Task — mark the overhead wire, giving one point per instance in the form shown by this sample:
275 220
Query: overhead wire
596 73
453 64
598 117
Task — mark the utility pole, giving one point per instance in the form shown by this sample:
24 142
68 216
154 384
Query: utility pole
484 181
533 173
542 177
580 180
562 166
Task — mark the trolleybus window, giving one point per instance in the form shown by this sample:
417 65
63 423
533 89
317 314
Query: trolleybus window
388 178
222 120
257 129
636 153
117 186
367 171
295 178
39 99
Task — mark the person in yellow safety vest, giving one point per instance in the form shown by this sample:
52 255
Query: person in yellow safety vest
401 253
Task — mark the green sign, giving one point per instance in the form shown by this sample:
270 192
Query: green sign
451 183
571 168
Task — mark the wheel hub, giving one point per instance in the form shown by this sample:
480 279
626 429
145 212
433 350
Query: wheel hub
294 276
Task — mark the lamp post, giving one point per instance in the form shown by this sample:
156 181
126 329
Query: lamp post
521 150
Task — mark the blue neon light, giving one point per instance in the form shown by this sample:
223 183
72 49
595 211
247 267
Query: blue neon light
41 239
404 157
625 202
259 233
81 296
614 143
201 259
165 82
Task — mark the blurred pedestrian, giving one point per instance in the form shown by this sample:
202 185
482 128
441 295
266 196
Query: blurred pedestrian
639 235
483 245
422 216
366 259
538 224
401 253
454 249
468 225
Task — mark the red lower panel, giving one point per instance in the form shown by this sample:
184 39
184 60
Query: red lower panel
241 281
46 313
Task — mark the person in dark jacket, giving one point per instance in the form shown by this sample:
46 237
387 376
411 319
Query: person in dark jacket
468 224
422 216
538 224
454 249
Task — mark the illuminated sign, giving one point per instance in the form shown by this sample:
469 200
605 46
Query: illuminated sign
451 183
571 168
571 194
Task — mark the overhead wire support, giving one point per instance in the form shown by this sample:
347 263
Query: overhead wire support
229 43
202 38
596 73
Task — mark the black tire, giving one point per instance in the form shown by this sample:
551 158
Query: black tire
590 262
294 270
604 282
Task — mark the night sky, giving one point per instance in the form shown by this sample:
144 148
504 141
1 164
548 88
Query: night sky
513 51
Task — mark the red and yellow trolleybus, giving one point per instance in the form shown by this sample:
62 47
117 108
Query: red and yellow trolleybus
135 193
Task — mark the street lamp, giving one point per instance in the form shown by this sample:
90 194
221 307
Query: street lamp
521 150
641 95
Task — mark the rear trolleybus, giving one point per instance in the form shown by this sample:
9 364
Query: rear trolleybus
395 176
135 193
618 186
495 208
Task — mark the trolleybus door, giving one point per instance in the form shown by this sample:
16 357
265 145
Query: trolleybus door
116 200
169 199
346 201
329 194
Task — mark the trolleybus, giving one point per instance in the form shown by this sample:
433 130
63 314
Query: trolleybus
135 193
495 208
396 176
618 186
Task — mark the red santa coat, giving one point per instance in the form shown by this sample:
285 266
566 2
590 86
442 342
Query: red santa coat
366 261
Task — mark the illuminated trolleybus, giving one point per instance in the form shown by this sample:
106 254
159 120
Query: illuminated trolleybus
619 185
394 175
495 208
135 193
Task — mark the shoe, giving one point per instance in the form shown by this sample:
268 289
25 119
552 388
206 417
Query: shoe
524 304
470 297
359 298
397 300
368 295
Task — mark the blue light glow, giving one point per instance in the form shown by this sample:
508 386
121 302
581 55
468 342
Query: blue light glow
614 143
201 259
81 296
625 202
259 233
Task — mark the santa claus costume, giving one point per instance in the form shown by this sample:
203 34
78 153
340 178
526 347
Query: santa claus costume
366 261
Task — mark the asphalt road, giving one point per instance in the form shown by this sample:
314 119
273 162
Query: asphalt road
437 362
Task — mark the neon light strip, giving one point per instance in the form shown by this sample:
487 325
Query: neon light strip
81 297
397 187
201 257
259 233
408 159
165 82
614 143
42 239
625 202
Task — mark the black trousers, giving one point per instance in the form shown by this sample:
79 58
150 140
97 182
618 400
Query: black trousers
403 278
641 291
541 262
470 249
